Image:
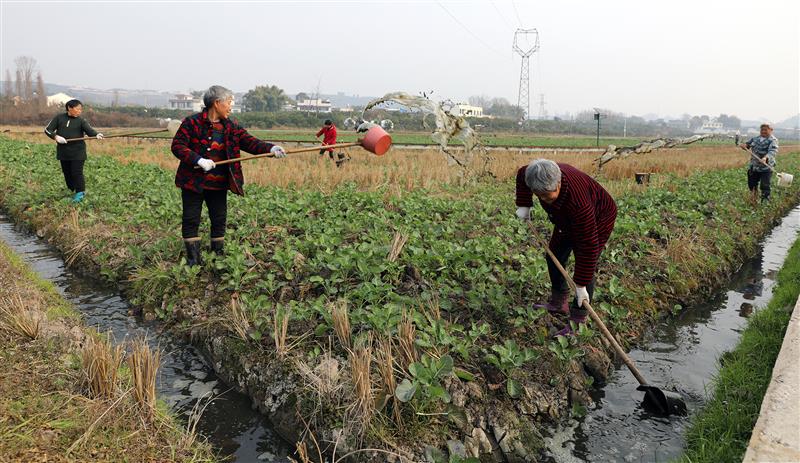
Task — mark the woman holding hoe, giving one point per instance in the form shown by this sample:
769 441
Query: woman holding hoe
72 154
583 215
203 139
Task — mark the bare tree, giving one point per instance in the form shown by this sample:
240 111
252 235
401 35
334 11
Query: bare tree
26 66
8 86
480 100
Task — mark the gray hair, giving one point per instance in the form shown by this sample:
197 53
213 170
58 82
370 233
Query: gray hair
542 175
216 93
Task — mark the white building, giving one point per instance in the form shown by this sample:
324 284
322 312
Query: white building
711 126
59 99
465 110
187 102
316 105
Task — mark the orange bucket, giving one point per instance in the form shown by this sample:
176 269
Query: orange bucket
376 141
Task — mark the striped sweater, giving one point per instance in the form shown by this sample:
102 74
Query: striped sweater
583 215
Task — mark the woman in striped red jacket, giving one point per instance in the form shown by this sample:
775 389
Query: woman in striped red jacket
202 140
583 214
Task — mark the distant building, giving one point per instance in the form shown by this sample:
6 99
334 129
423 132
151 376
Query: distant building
186 102
711 126
316 105
465 110
58 99
678 123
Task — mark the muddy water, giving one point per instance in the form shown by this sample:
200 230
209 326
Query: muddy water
229 422
680 354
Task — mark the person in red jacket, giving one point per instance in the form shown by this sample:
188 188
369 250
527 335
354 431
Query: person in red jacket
329 138
203 140
583 215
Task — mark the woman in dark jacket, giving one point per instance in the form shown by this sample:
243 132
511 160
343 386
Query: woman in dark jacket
72 154
202 139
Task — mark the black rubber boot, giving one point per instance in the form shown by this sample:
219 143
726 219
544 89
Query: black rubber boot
193 253
218 247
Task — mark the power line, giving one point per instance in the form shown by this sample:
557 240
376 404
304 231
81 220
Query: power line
514 4
502 16
467 29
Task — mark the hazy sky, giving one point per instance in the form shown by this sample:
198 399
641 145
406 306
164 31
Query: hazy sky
637 57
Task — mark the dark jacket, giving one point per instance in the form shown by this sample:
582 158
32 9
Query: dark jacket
583 214
193 140
70 127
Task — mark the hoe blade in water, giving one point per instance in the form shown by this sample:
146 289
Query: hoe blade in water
662 403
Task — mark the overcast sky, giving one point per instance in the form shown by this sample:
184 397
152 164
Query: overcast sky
636 57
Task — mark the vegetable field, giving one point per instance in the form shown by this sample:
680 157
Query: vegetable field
399 316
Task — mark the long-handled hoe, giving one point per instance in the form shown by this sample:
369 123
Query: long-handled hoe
376 141
655 400
172 128
784 179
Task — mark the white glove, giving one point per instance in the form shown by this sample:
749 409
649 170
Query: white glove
61 140
206 164
100 136
582 295
524 213
278 151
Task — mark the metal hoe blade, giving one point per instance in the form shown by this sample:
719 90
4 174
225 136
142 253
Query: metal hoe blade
662 403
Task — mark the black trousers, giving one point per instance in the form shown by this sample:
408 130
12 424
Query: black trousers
73 175
754 178
559 283
217 204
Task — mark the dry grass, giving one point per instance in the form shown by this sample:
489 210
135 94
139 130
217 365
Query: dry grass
238 321
18 318
386 365
280 326
143 363
341 322
406 334
363 406
100 362
324 379
398 242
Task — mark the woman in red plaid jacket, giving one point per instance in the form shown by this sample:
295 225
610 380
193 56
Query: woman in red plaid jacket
202 140
583 214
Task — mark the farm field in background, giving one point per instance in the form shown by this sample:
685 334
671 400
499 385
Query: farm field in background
423 138
397 270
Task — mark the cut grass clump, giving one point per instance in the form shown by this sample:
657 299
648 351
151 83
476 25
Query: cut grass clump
722 429
61 402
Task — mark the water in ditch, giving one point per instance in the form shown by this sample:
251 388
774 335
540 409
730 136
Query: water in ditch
229 422
680 354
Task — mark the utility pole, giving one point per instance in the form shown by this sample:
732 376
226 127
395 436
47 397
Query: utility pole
526 43
597 116
625 127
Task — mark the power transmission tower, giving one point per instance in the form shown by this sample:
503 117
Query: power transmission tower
526 42
542 110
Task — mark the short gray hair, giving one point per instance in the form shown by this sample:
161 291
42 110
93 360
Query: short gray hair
542 175
216 93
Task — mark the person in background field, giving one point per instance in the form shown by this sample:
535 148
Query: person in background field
72 155
203 139
583 214
328 131
765 146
